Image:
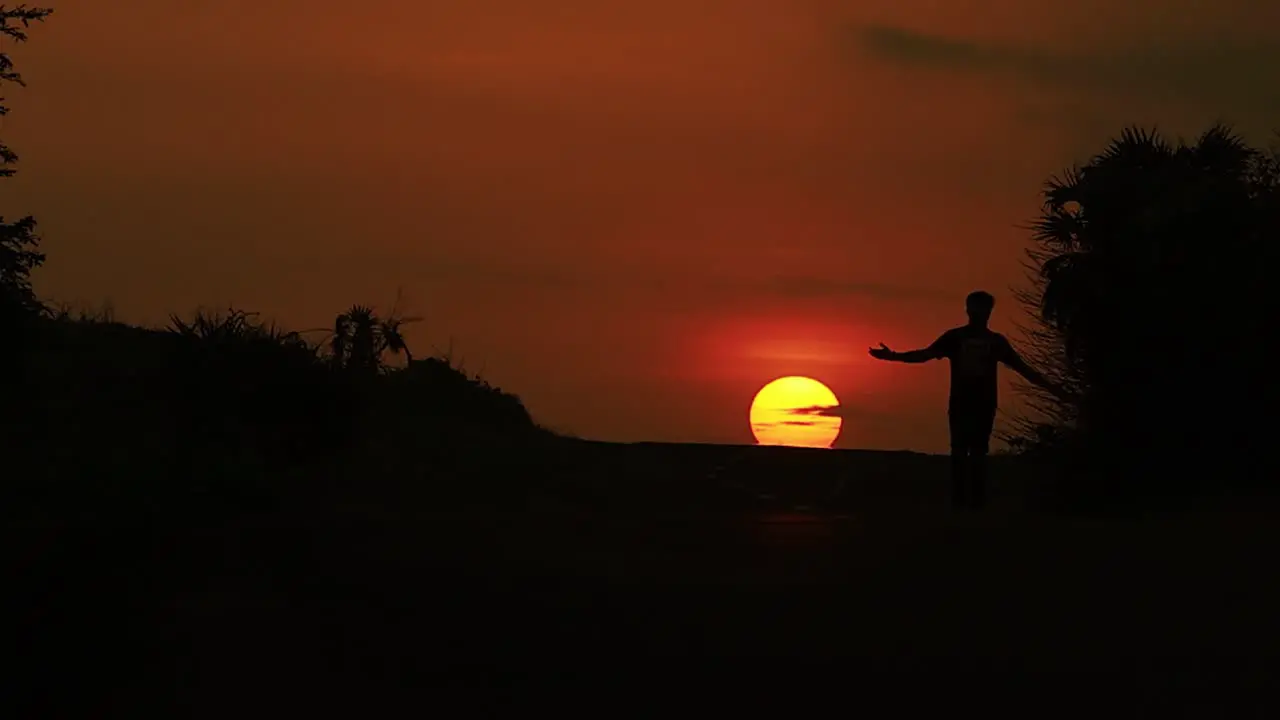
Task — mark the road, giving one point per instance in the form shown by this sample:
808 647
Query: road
383 598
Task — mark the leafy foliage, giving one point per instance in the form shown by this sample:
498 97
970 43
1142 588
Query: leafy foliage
1152 276
360 339
19 243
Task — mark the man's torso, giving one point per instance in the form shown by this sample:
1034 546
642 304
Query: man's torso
974 354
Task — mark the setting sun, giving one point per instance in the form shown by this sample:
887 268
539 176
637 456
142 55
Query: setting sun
796 411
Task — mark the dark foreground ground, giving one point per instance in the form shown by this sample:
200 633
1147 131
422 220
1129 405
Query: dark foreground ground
656 578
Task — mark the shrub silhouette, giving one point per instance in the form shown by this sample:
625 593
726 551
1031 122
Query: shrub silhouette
434 388
244 382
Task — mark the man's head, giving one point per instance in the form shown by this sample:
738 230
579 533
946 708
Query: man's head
979 305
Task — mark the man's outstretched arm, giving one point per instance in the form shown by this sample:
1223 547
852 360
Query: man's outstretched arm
1033 376
915 356
933 352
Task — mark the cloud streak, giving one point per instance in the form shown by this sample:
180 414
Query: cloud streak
823 410
1239 76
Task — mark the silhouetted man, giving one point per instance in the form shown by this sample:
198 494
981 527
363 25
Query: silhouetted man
974 351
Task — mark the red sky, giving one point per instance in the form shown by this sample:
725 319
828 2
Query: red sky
632 214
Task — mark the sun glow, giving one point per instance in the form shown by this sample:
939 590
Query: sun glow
796 411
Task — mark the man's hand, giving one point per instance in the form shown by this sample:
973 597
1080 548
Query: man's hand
882 353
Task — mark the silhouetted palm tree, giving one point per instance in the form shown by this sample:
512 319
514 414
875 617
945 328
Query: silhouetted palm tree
360 339
1137 255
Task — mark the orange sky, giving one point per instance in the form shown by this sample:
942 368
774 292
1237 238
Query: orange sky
633 214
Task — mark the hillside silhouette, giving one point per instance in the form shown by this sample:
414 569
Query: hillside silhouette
223 409
224 517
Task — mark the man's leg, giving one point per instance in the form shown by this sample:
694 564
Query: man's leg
959 463
979 448
978 477
960 496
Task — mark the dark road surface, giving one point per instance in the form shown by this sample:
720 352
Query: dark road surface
387 602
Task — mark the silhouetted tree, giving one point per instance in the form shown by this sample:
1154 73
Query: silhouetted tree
360 339
1153 269
19 244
